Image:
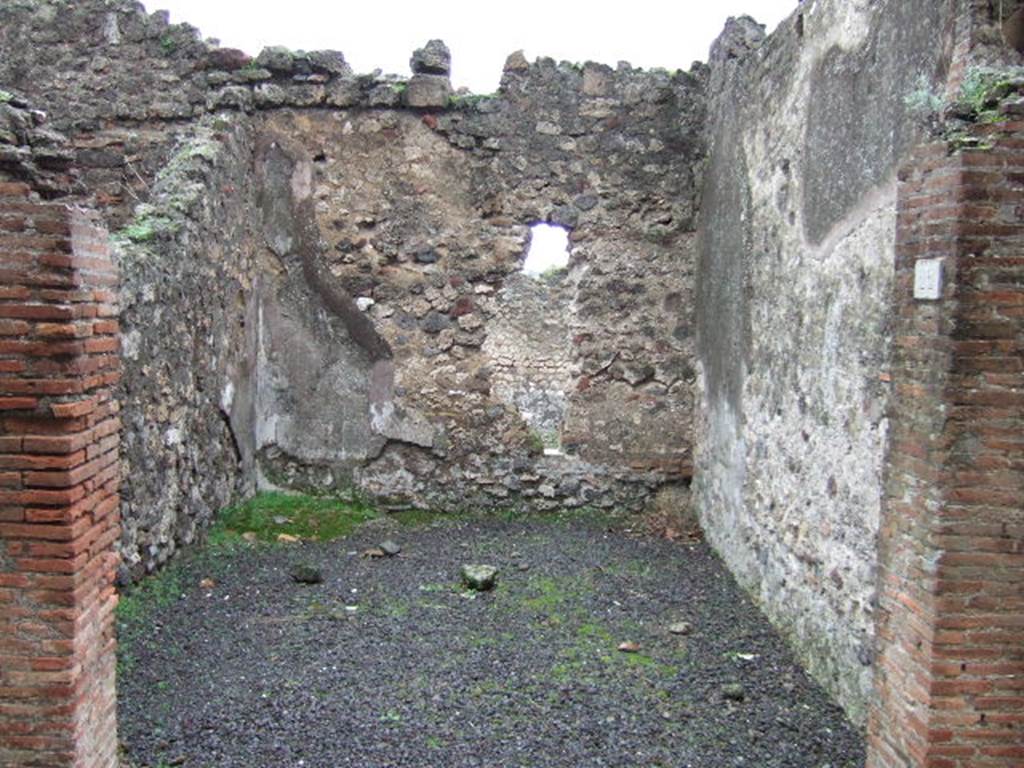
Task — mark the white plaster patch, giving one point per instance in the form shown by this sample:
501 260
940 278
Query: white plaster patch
380 416
227 397
111 30
130 343
302 180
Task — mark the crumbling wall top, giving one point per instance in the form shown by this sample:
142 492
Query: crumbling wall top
30 151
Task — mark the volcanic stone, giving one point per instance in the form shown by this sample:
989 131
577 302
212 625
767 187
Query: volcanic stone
479 578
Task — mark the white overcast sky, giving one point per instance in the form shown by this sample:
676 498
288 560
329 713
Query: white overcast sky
382 35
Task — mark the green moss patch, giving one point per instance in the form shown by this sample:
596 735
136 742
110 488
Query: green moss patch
269 515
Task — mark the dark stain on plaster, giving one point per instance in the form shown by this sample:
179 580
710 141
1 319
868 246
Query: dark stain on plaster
723 312
291 231
858 124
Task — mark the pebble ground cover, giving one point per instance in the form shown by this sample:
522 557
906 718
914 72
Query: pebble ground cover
597 647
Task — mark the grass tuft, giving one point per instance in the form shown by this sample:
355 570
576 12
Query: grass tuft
268 515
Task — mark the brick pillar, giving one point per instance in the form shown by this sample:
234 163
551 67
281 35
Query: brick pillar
950 674
59 479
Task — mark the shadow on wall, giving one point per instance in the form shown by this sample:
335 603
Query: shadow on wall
1013 28
319 399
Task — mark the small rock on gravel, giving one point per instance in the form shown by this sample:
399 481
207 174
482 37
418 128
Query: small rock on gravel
306 574
680 628
389 548
479 578
734 692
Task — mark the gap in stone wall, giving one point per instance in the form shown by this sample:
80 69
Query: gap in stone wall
530 342
548 251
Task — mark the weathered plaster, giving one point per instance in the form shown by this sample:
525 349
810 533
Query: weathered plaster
795 285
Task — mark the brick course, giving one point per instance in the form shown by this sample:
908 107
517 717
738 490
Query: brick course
950 673
59 477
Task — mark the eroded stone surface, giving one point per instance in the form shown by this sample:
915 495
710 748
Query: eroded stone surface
479 578
320 280
795 285
322 284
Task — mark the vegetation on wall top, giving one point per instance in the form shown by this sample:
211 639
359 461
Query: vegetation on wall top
987 95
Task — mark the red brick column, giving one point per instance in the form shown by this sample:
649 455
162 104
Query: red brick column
59 479
950 674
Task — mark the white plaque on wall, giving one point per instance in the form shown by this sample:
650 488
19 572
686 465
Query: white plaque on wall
928 279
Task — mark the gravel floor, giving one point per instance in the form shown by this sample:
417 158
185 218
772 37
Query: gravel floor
388 663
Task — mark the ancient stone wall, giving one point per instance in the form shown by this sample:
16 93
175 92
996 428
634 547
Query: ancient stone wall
794 310
617 154
313 262
189 270
423 219
530 350
322 291
126 85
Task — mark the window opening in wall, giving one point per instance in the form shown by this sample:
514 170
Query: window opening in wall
542 403
548 252
528 340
